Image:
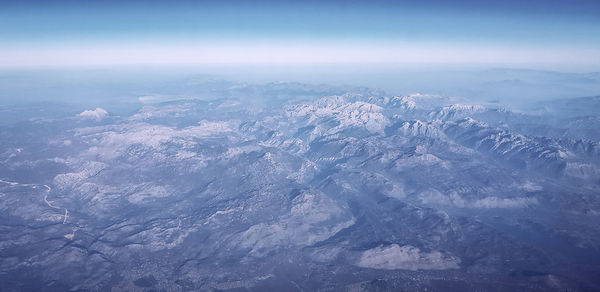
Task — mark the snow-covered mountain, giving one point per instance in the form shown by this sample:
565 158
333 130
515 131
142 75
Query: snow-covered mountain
324 188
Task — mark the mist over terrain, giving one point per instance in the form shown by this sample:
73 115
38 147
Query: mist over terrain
299 178
126 84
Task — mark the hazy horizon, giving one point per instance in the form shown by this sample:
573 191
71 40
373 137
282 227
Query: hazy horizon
512 87
510 33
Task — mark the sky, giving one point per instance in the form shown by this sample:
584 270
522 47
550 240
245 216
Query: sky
510 32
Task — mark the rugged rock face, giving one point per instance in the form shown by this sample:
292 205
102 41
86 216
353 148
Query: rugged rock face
349 191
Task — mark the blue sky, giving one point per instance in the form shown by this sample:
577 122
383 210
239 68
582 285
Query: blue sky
120 32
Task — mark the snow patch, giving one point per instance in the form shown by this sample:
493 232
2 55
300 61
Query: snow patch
312 218
348 114
69 180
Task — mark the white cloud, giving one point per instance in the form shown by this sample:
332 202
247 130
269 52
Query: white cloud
97 114
111 141
395 257
433 196
530 186
495 202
